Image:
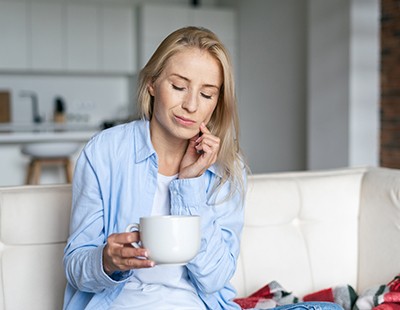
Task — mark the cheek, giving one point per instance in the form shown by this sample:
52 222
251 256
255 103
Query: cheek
166 98
159 100
209 112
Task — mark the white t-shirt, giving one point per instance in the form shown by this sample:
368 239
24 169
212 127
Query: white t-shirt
161 204
160 287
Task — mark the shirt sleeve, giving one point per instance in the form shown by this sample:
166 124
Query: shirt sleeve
83 254
222 218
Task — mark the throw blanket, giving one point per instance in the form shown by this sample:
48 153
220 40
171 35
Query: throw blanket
382 297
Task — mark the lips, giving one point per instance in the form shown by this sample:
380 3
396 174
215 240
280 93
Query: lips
184 121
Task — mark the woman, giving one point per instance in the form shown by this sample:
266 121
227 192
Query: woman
182 157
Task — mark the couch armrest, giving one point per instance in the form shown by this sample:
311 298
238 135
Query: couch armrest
34 224
379 227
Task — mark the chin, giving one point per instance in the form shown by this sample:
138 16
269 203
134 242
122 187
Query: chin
185 134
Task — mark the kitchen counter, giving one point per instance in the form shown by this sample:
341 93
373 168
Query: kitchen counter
44 136
17 133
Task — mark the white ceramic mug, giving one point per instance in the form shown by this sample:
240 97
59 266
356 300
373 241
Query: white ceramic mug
170 239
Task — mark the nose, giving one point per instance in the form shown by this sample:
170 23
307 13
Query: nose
190 102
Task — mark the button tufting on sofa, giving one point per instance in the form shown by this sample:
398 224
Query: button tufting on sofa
306 230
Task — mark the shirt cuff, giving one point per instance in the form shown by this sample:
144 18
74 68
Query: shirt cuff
116 277
187 195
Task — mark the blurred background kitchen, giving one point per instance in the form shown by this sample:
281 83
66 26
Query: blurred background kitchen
311 80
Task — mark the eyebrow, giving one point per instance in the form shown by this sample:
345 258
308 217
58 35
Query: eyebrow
188 80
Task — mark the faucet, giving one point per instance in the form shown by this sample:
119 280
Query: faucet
35 105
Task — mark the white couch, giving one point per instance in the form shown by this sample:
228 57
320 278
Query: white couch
306 230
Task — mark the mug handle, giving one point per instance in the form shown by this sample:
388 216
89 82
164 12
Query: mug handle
132 228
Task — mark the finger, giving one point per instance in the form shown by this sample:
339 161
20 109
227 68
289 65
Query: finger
208 146
135 258
119 245
206 160
209 138
133 263
125 258
212 142
136 263
207 150
203 128
192 145
124 238
129 251
196 137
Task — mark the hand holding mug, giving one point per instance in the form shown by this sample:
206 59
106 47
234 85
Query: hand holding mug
119 255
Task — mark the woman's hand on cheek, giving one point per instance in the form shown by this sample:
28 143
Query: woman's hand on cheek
201 153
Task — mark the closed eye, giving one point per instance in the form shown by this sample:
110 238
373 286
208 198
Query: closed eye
206 96
177 88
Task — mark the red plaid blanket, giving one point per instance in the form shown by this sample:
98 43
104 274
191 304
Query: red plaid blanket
382 297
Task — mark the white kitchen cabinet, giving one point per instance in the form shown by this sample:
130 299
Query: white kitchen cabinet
75 37
48 37
117 39
100 38
13 35
221 21
157 21
82 37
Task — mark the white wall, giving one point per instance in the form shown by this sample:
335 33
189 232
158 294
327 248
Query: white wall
328 83
272 83
308 83
343 88
365 83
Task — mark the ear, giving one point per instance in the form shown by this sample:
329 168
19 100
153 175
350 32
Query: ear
150 87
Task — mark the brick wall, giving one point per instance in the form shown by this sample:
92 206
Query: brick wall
390 84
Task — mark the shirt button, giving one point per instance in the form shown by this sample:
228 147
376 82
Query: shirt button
175 192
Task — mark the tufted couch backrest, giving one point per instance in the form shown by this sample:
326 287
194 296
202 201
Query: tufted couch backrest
313 230
306 230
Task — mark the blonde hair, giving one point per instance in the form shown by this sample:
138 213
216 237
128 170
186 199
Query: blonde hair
224 122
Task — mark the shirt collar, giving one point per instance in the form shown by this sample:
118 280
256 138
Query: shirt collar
144 148
142 141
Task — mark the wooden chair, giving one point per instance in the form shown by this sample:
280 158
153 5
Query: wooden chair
49 154
36 165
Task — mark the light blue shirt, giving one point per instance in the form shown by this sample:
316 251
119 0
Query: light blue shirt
114 184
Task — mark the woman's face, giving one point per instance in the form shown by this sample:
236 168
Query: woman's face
186 93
